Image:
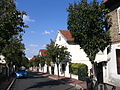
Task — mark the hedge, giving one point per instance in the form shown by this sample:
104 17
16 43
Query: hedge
79 69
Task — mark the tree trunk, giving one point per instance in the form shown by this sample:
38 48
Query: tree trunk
48 69
94 78
7 72
58 69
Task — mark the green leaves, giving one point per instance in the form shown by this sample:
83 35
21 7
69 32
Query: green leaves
57 53
11 21
11 29
89 27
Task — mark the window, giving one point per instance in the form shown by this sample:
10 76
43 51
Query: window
118 14
59 38
118 60
63 67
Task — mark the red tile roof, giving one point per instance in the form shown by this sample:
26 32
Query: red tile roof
43 52
104 1
67 35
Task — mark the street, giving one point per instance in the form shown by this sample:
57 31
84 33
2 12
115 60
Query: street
38 81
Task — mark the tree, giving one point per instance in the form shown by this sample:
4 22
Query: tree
57 53
14 54
25 62
89 27
11 22
48 62
38 60
63 54
11 29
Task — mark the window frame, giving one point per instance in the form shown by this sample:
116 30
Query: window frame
117 62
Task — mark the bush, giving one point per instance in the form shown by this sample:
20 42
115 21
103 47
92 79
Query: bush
79 69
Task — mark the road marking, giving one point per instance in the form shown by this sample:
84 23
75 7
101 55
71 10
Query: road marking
11 84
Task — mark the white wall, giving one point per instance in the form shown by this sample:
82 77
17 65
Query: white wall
77 54
110 71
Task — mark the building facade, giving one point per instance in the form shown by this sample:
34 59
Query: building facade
78 55
112 68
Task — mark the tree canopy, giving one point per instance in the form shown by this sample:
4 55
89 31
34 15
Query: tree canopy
11 30
89 26
11 21
57 53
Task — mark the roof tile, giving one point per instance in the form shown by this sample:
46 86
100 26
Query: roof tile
43 52
67 35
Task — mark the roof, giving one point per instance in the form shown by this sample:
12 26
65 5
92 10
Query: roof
67 35
104 1
43 52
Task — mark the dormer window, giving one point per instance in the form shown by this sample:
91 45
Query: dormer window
118 14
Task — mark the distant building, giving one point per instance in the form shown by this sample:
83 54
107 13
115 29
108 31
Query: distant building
42 52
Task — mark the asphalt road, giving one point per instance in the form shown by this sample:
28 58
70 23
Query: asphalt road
37 81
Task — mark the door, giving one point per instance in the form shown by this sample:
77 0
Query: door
100 72
118 60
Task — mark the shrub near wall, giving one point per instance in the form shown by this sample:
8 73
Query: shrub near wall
79 69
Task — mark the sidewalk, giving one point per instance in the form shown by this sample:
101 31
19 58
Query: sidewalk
82 85
4 84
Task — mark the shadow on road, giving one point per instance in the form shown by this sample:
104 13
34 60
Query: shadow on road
50 83
47 83
35 75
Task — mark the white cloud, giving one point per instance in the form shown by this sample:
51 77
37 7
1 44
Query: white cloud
33 45
32 32
44 46
47 32
27 19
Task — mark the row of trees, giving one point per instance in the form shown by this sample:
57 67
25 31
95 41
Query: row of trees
55 54
11 30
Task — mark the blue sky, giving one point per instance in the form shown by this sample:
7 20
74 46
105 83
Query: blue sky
44 18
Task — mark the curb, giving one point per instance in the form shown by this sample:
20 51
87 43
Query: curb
8 88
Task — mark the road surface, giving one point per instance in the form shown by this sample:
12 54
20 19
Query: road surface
37 81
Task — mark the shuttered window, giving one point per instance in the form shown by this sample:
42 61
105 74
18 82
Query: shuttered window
118 60
118 15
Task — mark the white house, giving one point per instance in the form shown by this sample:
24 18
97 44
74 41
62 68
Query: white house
78 55
42 52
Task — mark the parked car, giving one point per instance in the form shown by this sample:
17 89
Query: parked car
21 74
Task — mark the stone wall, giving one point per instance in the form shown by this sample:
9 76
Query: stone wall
114 30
